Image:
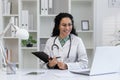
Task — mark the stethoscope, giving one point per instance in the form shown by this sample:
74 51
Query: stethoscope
55 45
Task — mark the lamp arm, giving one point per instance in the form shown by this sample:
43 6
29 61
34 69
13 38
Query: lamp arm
8 26
15 27
5 30
2 50
21 33
5 61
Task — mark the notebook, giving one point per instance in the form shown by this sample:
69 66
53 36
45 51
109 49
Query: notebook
106 61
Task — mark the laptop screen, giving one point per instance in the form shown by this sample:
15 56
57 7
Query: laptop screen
106 60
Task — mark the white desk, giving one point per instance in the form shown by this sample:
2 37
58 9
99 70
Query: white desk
54 75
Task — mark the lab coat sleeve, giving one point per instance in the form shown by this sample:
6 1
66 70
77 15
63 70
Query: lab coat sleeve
46 50
81 59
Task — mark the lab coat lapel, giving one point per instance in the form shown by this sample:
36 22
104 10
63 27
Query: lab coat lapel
58 43
67 43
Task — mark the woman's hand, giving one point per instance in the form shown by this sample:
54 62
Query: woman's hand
52 62
62 65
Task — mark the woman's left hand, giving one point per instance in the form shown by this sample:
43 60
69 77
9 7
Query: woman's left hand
62 65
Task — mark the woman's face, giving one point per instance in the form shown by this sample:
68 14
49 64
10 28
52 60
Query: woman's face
65 27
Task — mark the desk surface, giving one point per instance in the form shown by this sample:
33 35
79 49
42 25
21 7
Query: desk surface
54 75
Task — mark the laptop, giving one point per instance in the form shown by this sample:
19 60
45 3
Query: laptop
106 61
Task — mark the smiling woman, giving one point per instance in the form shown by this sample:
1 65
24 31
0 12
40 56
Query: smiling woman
65 43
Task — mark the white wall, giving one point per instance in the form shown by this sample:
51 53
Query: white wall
0 32
0 18
106 22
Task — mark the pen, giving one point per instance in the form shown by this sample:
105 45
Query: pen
56 58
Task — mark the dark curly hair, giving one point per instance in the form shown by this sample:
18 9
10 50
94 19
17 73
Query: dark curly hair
57 20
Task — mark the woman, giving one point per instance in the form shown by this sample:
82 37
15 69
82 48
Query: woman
66 49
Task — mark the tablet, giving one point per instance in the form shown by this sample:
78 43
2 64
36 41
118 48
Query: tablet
41 55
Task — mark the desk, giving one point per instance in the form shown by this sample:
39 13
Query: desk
54 75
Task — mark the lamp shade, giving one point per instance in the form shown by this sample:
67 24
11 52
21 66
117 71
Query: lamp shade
22 34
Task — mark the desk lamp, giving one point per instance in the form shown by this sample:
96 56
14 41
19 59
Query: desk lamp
19 33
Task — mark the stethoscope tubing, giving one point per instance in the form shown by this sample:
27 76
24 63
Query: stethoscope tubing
58 46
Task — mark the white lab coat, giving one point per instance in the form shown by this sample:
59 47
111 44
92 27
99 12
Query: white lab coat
77 56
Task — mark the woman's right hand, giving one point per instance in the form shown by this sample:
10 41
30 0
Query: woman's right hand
52 62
